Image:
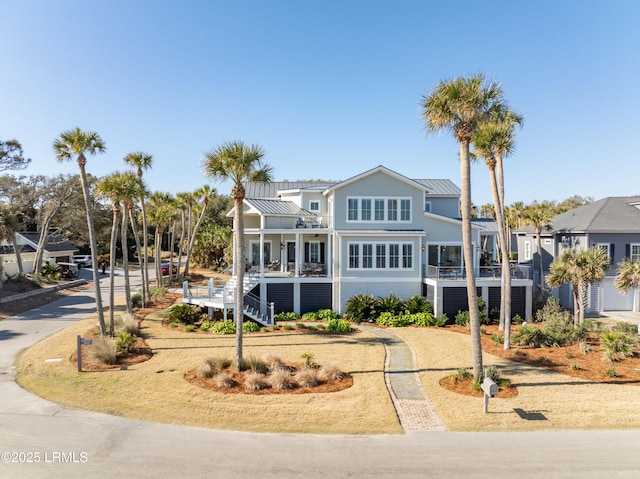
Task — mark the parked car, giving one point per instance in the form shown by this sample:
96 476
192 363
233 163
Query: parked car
165 268
82 260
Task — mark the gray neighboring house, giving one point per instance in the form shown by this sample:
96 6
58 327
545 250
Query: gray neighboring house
611 223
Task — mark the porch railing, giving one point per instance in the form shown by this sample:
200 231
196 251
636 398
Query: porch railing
494 271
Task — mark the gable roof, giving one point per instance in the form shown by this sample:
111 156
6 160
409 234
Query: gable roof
377 169
616 214
54 242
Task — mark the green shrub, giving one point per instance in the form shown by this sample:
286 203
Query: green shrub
483 330
310 316
462 318
125 342
157 292
308 359
184 313
136 300
630 329
189 328
418 304
326 314
174 324
288 316
361 307
492 373
517 319
529 335
338 326
205 326
424 319
301 325
392 320
551 307
264 329
390 304
616 344
222 327
560 330
497 338
287 327
250 327
611 372
463 373
575 367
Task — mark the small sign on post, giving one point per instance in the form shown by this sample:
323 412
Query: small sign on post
490 389
81 341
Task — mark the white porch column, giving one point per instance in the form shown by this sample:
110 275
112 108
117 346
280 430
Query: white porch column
329 253
261 255
297 261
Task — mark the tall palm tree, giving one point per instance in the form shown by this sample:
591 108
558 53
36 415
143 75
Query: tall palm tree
539 216
75 145
8 227
161 214
203 194
492 140
460 106
238 163
142 161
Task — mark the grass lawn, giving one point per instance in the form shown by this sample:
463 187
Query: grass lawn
156 390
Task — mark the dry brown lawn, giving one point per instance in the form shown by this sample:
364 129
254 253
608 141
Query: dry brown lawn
156 390
545 400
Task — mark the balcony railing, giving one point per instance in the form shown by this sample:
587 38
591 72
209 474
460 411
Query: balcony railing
494 271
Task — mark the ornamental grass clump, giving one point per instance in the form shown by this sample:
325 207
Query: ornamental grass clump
273 361
330 372
224 380
104 350
254 381
307 377
280 379
127 323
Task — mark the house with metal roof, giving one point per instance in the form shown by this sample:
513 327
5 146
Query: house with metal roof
314 245
611 223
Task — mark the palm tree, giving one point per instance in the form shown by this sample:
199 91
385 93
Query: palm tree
628 275
142 161
540 216
8 227
581 269
161 215
76 144
237 162
203 193
460 106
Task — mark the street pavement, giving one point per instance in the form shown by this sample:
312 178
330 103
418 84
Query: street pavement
40 439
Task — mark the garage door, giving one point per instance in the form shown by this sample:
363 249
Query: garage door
613 300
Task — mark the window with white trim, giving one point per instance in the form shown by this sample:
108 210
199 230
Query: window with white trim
527 250
371 209
606 247
314 252
634 252
427 206
314 206
381 256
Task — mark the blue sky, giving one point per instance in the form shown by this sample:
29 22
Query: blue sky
329 89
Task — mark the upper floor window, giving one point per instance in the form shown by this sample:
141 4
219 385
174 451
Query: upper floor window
379 209
527 250
608 248
634 253
314 206
381 256
427 206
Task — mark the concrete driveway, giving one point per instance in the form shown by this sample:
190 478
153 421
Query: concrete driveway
40 439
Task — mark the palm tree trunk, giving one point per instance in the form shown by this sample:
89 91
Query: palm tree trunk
93 243
239 272
139 250
125 260
145 256
112 267
192 240
467 243
181 242
539 249
157 256
14 242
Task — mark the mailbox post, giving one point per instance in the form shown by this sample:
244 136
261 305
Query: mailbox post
490 389
81 341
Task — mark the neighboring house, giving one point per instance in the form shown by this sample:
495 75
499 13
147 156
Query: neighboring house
611 223
57 249
314 245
